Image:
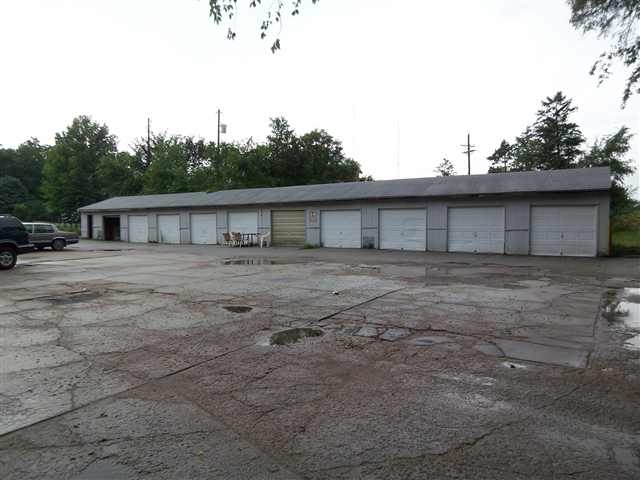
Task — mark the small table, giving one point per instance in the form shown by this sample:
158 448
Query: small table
248 239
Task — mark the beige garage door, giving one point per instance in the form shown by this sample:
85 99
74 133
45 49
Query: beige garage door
287 228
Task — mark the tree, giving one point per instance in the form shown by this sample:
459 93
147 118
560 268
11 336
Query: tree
611 151
618 20
284 153
445 168
559 139
323 161
502 158
169 168
12 192
25 163
119 174
69 176
221 10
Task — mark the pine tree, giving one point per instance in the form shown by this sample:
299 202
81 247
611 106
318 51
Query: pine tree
558 139
445 168
502 158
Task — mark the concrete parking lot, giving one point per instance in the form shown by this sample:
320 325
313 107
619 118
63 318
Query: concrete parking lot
120 361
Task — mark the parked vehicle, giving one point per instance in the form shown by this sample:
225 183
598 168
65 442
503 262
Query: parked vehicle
44 235
14 240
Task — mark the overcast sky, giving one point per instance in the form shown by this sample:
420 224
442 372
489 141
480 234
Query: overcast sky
399 83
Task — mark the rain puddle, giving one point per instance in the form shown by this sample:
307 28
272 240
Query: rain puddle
294 335
622 311
74 297
237 308
249 261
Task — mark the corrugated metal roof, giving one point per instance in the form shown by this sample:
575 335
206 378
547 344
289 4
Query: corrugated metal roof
572 180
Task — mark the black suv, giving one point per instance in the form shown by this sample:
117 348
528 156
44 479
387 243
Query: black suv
14 240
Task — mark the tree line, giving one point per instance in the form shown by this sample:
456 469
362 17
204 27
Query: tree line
554 141
84 166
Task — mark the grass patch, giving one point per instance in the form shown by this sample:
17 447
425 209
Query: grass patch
309 246
625 243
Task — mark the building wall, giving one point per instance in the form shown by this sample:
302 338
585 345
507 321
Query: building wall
517 218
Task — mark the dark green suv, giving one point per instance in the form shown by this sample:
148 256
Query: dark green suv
14 240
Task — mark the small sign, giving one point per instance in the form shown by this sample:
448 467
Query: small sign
313 216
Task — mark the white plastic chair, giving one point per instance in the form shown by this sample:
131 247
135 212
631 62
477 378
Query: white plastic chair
265 238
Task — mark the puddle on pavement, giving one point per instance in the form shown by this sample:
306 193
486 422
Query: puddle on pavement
513 365
622 311
237 308
103 469
294 335
74 297
249 261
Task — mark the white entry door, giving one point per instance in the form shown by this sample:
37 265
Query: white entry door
403 229
476 229
169 228
138 229
566 230
204 228
340 228
243 222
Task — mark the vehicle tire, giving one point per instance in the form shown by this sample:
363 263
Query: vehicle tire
58 244
8 257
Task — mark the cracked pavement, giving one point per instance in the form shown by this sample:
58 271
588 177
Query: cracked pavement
157 362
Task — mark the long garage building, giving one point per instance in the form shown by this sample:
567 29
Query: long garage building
560 212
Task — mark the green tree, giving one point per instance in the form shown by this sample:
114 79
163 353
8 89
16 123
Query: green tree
25 163
119 174
272 12
284 153
69 176
168 171
558 139
445 168
502 158
612 151
618 20
12 192
322 160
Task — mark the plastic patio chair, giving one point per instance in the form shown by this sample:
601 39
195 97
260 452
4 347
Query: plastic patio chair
264 239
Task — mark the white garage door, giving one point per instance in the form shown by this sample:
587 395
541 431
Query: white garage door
340 228
138 229
569 230
204 228
476 229
169 228
403 229
243 222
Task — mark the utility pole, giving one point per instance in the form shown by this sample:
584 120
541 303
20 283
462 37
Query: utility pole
468 151
218 129
148 152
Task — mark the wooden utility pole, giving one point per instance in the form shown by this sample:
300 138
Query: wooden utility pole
218 130
468 151
148 152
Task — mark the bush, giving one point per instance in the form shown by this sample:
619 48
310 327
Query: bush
628 222
69 227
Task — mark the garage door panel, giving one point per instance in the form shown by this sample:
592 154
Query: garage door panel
569 230
403 229
204 228
169 228
287 228
138 229
341 228
243 222
476 229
